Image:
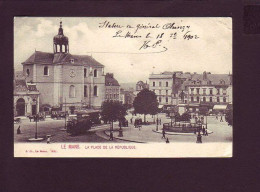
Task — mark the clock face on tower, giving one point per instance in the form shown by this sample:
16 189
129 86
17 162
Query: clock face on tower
72 73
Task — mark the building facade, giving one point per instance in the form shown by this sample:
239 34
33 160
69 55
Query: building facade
64 79
26 98
192 90
161 84
112 88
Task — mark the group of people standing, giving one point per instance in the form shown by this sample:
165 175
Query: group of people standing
221 118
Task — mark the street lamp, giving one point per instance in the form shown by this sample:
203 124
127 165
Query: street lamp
157 121
36 138
36 119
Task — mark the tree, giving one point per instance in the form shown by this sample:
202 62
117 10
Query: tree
112 111
177 117
185 116
146 103
229 117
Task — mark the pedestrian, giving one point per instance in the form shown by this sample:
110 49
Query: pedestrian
217 117
167 140
163 134
157 121
206 132
48 139
221 120
199 138
160 121
19 130
203 130
111 136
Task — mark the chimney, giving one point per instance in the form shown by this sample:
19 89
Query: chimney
204 75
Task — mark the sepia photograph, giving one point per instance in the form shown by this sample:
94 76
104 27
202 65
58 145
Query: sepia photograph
123 87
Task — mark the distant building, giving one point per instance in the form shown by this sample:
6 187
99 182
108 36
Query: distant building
112 90
122 96
76 81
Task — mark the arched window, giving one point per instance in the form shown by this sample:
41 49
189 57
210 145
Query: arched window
85 72
27 72
204 99
95 91
217 99
46 71
198 99
95 73
166 83
166 99
72 91
224 99
160 99
210 99
85 91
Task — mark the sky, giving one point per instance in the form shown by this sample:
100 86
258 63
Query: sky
209 49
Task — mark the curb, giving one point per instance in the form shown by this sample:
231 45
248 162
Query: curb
125 139
183 134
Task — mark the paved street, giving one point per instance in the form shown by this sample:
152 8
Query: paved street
53 128
221 132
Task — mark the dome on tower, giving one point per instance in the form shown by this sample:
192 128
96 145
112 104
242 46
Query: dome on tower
60 42
60 38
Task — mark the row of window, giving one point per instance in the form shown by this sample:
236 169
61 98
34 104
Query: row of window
72 91
166 99
112 90
160 84
112 96
210 91
46 72
210 99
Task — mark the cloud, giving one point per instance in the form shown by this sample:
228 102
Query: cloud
212 52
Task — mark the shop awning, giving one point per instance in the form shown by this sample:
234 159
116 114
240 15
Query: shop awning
220 107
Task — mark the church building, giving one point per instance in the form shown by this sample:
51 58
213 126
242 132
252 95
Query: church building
63 79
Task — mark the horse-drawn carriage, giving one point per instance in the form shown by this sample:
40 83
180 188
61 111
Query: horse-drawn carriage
17 120
37 117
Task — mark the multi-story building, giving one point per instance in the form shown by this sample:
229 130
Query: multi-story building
112 88
65 79
192 90
161 84
122 96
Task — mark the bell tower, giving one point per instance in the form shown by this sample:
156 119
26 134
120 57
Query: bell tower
60 42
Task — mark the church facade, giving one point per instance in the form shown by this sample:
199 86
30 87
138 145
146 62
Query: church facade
64 79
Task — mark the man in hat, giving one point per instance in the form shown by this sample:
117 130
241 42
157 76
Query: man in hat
163 134
111 136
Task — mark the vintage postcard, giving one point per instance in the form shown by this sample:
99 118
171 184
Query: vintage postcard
139 87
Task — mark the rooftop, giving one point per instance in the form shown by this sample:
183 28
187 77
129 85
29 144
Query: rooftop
39 57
